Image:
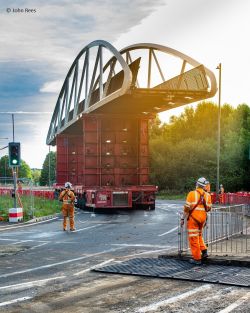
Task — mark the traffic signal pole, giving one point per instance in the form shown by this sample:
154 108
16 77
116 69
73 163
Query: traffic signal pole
15 183
14 163
14 168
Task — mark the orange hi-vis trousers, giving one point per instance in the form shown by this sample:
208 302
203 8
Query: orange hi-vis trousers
195 226
68 211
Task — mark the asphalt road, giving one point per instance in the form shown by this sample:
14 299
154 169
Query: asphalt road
48 270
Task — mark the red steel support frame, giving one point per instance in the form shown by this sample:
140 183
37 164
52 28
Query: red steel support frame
107 160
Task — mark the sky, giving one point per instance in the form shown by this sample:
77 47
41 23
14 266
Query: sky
40 39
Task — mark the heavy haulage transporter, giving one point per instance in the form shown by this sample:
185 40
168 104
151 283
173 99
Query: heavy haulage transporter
100 122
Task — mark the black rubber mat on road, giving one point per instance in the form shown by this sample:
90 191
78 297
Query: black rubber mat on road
182 270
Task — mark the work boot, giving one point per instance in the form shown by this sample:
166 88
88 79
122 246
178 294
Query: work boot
195 262
72 229
64 229
204 254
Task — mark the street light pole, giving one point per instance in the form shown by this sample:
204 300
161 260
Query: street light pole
49 167
218 138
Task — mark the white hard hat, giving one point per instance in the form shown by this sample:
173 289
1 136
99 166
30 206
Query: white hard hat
68 185
202 182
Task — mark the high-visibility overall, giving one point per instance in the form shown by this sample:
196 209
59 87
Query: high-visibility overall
68 198
201 202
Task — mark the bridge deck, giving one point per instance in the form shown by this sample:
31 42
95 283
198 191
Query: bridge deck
144 100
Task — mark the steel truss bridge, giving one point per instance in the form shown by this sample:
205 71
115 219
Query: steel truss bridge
139 79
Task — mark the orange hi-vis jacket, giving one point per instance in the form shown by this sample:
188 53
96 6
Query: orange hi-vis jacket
193 198
67 196
198 203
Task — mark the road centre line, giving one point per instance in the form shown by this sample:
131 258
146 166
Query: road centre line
31 283
168 232
15 301
237 303
155 306
92 267
56 264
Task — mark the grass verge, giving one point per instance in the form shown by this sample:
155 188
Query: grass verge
32 207
167 195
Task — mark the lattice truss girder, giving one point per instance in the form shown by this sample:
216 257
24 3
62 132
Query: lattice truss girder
100 75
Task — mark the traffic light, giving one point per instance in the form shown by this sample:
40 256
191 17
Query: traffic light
14 154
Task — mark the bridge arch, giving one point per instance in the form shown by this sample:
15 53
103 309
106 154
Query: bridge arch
105 80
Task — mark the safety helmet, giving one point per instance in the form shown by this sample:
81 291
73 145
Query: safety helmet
202 182
68 185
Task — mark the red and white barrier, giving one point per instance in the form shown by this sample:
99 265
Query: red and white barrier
15 215
232 198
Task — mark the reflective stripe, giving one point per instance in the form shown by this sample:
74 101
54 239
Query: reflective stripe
193 235
199 209
196 196
191 202
67 201
193 230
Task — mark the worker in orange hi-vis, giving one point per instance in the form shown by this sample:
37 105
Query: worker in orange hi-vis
221 194
68 198
198 203
208 187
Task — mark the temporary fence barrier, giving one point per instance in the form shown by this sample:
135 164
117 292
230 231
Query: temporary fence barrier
227 230
48 194
229 198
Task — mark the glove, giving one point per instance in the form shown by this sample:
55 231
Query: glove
182 222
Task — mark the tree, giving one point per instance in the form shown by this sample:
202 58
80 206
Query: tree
24 170
185 149
36 174
48 169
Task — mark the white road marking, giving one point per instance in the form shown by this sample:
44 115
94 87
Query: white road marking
92 267
31 283
237 303
86 228
15 301
56 264
20 241
168 208
42 244
140 245
168 232
80 221
155 306
170 205
148 252
28 225
163 209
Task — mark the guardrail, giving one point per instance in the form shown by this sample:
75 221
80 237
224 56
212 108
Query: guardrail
227 231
